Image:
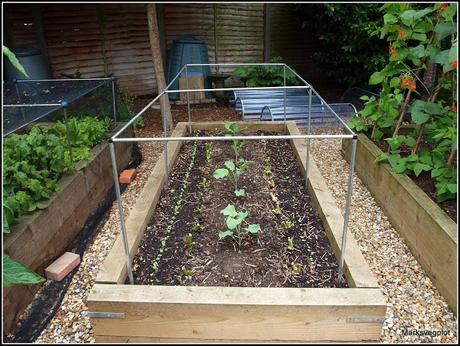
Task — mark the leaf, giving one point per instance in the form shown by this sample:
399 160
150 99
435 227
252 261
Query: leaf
433 108
452 188
393 159
43 205
6 227
253 228
441 57
419 117
232 223
410 141
412 158
376 78
231 127
418 51
381 157
389 19
225 234
400 167
445 29
14 61
438 171
419 167
241 216
221 173
419 37
230 165
240 192
395 82
378 134
229 210
16 273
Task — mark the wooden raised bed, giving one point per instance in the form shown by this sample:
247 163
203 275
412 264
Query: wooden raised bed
141 313
41 237
429 232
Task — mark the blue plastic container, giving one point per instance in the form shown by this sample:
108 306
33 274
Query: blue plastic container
188 50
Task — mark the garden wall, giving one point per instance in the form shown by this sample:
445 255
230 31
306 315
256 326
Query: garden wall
41 237
429 232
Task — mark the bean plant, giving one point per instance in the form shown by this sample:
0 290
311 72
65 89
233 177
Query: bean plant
235 221
419 80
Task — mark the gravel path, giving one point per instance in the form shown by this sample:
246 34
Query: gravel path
413 303
69 325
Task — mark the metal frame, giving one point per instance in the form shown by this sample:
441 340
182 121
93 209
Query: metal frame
351 135
63 104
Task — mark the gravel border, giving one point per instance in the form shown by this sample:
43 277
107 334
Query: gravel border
414 304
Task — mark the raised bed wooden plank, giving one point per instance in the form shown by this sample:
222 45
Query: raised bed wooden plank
355 267
114 269
429 232
239 313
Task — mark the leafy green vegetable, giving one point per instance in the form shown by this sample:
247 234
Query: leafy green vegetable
34 162
16 273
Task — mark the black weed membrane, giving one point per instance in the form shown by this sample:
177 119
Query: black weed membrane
49 297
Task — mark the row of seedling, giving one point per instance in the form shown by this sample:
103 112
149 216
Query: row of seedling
237 226
286 223
177 209
205 184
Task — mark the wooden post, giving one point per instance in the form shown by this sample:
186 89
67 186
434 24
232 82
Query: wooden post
267 32
154 36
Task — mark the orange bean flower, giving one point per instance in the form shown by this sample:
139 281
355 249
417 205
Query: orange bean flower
454 64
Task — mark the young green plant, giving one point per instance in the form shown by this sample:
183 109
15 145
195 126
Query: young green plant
235 220
233 172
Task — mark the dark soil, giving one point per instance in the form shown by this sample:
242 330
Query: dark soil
262 260
425 181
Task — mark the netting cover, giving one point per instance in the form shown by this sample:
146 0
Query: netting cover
31 93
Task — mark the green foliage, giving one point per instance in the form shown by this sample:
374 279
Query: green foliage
266 76
34 162
349 52
234 168
418 35
16 273
233 172
234 224
14 61
177 208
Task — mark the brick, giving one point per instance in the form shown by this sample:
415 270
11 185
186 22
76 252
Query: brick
62 266
127 176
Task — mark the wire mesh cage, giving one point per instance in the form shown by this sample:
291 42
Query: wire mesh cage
28 101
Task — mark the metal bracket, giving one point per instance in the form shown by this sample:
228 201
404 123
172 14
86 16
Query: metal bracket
365 319
98 314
